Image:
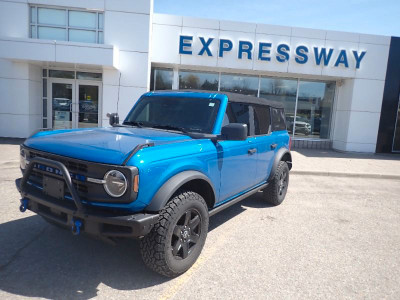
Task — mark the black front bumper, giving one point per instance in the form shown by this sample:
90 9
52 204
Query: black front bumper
67 213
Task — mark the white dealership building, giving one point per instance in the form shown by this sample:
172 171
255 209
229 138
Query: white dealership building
66 64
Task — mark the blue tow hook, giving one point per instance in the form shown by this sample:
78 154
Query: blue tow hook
76 227
24 205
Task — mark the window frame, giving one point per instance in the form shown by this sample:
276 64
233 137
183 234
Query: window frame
284 118
251 107
270 120
35 23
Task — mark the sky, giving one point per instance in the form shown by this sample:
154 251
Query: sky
380 17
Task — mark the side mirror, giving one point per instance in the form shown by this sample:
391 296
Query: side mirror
113 118
234 132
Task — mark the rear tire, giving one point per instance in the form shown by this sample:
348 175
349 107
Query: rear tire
176 240
275 192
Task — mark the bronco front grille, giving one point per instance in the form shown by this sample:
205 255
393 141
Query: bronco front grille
71 165
37 175
79 170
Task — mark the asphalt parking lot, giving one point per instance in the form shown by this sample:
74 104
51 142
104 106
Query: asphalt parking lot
333 237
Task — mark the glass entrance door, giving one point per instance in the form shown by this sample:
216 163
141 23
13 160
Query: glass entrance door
88 105
74 103
62 105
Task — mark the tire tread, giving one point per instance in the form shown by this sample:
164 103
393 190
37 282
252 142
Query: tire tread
270 193
152 245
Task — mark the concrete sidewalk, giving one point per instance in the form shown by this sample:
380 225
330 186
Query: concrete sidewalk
332 163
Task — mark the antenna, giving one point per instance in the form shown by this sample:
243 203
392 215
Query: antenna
119 87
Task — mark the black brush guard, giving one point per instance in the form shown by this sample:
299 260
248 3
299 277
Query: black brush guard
79 216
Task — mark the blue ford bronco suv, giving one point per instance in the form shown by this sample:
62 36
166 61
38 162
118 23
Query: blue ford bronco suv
178 158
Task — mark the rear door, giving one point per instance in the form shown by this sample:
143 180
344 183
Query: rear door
264 141
237 159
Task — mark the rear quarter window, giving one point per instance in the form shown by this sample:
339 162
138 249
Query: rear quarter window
262 119
278 119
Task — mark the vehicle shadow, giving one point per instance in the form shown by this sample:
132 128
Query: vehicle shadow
40 260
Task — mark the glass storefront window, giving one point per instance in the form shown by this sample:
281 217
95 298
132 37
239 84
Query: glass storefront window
62 74
51 33
284 91
33 15
101 38
82 19
241 84
33 32
66 25
88 76
163 79
101 21
314 109
83 36
198 80
313 99
51 16
44 88
44 108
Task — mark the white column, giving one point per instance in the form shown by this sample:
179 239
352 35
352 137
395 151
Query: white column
175 79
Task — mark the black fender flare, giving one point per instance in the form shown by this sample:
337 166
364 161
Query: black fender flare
166 191
282 153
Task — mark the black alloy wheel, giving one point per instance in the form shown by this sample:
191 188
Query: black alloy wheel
176 240
186 234
277 187
283 183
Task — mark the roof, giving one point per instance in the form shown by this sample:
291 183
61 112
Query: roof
232 97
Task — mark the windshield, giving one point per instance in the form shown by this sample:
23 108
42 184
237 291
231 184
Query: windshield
183 114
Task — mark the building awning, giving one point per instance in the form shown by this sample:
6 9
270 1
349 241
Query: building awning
50 51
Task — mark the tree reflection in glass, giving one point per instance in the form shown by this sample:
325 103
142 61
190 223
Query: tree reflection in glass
198 81
241 84
284 91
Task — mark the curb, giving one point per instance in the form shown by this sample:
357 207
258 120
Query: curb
353 175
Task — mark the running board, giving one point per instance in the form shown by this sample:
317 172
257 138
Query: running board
236 200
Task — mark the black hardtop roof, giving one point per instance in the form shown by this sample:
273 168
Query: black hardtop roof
232 97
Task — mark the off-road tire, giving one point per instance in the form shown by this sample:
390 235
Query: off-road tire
156 247
275 193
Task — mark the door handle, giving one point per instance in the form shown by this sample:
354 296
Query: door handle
252 151
273 146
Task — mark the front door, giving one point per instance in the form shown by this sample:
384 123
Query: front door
237 159
88 95
62 104
74 103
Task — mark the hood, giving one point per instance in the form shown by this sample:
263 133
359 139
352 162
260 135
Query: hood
103 145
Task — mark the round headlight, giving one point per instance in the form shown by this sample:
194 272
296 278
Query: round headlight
115 183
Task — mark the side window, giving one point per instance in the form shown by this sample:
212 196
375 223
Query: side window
242 113
262 119
278 119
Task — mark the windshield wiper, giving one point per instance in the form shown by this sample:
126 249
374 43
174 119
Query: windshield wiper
134 123
168 127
